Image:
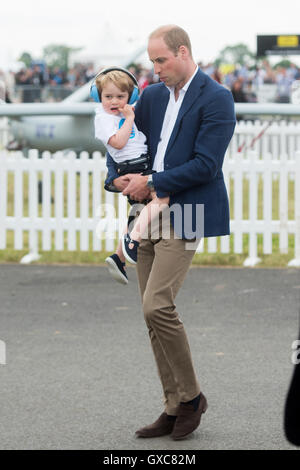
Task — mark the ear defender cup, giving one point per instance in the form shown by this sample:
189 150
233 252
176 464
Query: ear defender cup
94 93
134 95
94 90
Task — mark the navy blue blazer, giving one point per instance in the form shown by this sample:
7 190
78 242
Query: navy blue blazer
192 175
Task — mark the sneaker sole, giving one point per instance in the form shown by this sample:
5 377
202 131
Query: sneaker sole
115 272
126 254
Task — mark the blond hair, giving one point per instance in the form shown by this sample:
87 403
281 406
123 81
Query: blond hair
174 37
120 79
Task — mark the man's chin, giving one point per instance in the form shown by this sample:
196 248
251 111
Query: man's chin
167 82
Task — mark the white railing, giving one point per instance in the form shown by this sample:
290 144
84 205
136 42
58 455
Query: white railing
265 172
76 212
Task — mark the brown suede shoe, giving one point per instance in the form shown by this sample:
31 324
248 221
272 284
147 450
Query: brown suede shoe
188 419
161 427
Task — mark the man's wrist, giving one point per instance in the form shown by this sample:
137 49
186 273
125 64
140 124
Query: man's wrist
150 184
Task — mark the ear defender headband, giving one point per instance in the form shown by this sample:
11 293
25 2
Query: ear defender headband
94 93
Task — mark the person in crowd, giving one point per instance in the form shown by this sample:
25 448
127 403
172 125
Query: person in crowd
237 91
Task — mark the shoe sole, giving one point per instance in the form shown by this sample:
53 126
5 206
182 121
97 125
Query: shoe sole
115 272
126 254
152 436
179 438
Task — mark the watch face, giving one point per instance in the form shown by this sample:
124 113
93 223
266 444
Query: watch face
150 184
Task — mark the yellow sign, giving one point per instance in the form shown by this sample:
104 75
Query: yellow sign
226 68
287 41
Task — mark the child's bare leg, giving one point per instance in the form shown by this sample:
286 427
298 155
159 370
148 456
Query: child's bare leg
119 250
149 213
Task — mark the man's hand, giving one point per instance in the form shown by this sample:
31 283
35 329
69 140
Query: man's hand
137 187
121 182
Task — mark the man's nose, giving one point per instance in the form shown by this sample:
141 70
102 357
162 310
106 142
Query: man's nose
157 69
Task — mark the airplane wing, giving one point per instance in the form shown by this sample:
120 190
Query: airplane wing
47 109
71 108
256 109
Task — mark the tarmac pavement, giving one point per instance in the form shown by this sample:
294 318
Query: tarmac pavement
80 374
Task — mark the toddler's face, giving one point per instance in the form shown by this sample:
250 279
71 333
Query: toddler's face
113 99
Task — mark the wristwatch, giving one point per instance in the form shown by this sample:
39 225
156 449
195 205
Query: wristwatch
150 183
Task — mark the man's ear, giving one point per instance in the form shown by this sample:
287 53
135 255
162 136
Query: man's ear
183 52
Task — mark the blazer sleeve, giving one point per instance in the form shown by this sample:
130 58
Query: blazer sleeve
210 145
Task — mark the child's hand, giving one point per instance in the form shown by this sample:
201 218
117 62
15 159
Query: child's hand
127 111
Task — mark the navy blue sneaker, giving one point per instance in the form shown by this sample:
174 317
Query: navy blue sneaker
129 253
117 269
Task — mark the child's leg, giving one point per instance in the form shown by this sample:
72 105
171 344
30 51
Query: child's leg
149 213
116 264
119 250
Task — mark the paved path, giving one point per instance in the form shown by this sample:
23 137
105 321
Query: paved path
80 374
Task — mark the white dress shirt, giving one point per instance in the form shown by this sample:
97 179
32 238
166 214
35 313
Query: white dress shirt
169 123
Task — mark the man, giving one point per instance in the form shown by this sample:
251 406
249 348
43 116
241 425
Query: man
188 120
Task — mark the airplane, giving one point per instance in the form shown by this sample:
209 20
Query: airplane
67 125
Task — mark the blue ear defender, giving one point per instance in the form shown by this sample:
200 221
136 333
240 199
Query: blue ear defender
94 93
134 95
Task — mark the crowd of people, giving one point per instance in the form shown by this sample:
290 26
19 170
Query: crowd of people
39 83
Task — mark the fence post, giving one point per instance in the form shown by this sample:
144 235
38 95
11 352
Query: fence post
283 194
71 202
33 254
3 200
295 262
252 259
59 201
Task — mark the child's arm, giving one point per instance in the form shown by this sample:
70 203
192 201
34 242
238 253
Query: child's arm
120 138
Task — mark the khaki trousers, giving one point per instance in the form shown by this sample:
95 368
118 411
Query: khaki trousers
161 268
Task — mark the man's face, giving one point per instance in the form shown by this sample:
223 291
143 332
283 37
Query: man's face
169 68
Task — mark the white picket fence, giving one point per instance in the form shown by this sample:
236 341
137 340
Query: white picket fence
76 213
4 132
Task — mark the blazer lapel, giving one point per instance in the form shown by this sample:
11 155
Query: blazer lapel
193 92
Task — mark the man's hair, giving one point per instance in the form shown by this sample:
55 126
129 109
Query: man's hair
118 78
174 37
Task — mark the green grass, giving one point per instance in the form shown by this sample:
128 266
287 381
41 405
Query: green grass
276 259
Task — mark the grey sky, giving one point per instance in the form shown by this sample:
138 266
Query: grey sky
212 25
